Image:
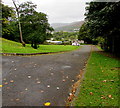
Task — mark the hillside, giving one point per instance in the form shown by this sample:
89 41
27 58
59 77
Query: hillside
69 27
56 25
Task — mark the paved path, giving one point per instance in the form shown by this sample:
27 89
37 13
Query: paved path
34 80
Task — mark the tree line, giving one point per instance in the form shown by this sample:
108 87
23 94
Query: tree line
65 36
34 25
102 25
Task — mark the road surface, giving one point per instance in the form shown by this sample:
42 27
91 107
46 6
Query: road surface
35 80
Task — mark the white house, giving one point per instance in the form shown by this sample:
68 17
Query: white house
75 44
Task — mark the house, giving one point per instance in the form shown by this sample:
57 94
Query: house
75 43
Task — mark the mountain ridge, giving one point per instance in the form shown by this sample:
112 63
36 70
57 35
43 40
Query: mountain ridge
69 27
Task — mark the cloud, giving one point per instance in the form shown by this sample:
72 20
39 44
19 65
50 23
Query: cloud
58 10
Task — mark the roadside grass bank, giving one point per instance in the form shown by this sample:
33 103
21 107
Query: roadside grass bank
100 85
15 47
99 47
108 54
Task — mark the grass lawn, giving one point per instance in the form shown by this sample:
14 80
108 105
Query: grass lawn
100 85
15 47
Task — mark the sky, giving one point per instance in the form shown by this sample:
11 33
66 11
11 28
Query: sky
58 11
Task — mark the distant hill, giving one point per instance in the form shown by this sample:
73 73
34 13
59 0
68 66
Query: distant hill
56 25
69 27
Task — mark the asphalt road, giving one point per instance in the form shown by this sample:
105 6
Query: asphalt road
34 80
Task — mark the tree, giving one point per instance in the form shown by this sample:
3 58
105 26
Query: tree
84 34
20 30
8 15
65 36
102 20
35 24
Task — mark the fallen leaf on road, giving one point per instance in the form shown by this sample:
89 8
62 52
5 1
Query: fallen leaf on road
4 79
47 104
15 69
29 76
70 94
6 83
26 89
17 99
58 88
51 73
38 82
41 91
37 79
11 81
63 80
8 87
73 80
79 76
12 61
67 77
48 86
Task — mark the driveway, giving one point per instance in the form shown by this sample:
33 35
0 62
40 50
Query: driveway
34 80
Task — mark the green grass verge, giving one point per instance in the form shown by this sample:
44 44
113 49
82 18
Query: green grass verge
99 47
100 85
15 47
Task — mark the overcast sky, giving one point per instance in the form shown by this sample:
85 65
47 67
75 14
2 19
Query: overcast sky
58 11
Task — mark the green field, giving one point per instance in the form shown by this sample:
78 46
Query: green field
15 47
100 85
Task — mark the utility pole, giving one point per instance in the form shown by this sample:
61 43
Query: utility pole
21 38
